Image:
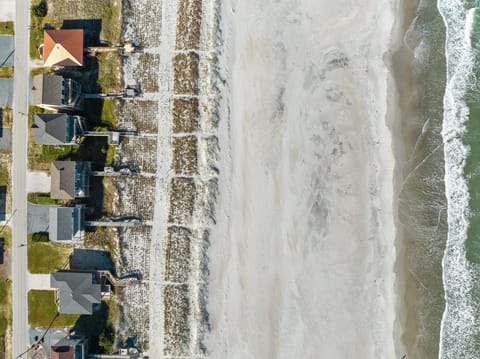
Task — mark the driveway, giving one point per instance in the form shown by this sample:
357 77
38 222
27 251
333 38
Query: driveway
38 282
38 218
6 91
38 182
8 10
7 45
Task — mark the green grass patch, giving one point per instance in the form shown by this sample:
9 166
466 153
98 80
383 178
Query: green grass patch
5 306
40 157
40 198
3 325
109 72
6 71
7 116
47 257
36 30
6 234
7 28
36 36
109 113
110 153
4 175
42 309
41 70
3 293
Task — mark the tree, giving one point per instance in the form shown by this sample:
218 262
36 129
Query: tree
40 10
106 339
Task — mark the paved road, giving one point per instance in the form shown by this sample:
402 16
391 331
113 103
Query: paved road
19 177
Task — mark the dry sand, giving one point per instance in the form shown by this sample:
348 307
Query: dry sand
303 254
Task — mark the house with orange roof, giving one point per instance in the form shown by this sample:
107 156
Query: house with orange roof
63 47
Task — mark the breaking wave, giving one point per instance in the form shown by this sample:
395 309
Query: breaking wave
459 328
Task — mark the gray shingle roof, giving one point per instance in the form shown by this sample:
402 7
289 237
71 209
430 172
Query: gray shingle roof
62 179
70 179
61 222
76 292
52 129
47 89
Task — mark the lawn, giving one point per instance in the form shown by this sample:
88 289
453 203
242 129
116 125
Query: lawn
47 257
4 176
6 234
42 309
41 198
6 28
40 157
5 164
109 72
109 11
7 116
6 71
5 306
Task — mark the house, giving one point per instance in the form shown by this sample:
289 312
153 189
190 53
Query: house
70 348
77 292
63 47
66 223
57 129
70 179
53 92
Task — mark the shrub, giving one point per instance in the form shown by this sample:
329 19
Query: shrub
106 339
40 10
40 237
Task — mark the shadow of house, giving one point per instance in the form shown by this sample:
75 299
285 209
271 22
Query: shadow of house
94 325
91 29
3 202
1 121
87 259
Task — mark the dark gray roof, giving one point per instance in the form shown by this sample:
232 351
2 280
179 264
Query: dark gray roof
76 292
61 222
47 89
52 129
62 179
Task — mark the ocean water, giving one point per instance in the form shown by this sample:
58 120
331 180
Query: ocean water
440 197
460 328
422 201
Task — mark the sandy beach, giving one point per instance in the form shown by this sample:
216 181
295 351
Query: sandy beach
302 259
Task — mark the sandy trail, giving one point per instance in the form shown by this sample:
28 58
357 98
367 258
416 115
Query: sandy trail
303 254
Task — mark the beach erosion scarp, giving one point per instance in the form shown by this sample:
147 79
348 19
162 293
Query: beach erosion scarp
304 243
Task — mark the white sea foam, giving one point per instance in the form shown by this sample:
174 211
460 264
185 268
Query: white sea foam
458 322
